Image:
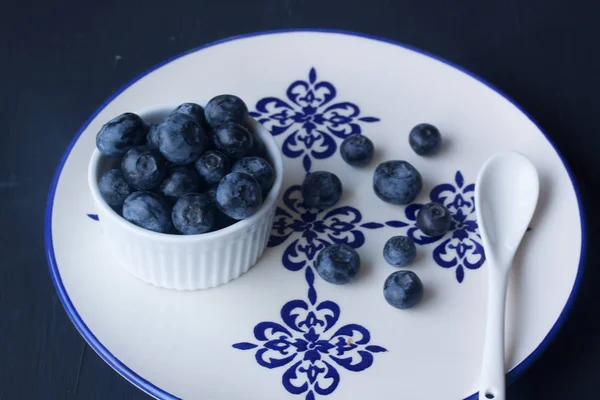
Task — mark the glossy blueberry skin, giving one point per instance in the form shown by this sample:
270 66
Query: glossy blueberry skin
148 210
221 219
120 134
434 219
143 168
425 139
211 193
152 137
225 108
114 188
259 169
193 110
193 213
233 140
180 181
357 150
258 147
238 195
399 251
181 139
403 289
213 166
321 189
338 264
397 182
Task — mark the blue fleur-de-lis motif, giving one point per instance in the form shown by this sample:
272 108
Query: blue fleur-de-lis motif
311 346
317 229
460 248
310 119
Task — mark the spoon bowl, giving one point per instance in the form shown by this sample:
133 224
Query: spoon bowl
506 195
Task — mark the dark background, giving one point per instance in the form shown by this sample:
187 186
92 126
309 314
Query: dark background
60 60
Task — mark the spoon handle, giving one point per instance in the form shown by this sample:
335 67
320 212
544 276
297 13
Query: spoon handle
492 379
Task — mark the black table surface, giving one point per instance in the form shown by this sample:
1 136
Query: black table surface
60 60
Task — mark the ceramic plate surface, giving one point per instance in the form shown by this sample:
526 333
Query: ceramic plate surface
280 331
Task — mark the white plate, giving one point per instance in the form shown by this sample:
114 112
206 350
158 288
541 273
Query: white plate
279 331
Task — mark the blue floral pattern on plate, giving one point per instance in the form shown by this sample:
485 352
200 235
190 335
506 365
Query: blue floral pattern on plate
460 248
318 228
310 119
311 346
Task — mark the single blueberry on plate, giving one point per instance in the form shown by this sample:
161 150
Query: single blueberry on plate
234 140
193 213
357 150
239 195
120 134
403 289
180 181
259 169
152 137
425 139
397 182
321 189
143 168
181 139
213 166
434 219
114 188
399 251
148 210
225 108
338 264
192 110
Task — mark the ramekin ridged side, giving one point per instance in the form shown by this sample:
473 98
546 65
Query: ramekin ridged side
189 266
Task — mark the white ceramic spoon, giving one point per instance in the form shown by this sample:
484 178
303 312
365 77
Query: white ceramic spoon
506 194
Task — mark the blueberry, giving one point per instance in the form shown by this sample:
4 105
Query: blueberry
321 189
143 168
213 166
114 188
180 181
193 213
225 108
425 139
338 264
152 137
397 182
181 139
120 134
403 289
357 150
233 139
221 220
259 169
434 219
193 110
399 251
147 210
211 193
258 147
239 195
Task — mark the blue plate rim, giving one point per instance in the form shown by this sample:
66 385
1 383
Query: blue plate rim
159 393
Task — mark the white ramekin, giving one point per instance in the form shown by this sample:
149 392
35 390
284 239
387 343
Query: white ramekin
187 262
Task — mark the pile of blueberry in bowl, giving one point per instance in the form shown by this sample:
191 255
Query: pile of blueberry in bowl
186 194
